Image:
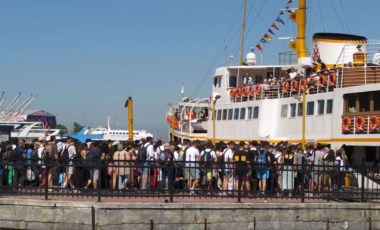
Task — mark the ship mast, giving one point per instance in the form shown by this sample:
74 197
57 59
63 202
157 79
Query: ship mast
243 32
299 17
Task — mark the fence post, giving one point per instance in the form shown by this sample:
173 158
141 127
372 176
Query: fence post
171 182
99 166
239 188
362 182
46 179
303 169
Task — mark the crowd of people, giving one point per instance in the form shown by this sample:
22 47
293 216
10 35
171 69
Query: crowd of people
192 166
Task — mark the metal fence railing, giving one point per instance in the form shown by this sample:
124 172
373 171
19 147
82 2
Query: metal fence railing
176 180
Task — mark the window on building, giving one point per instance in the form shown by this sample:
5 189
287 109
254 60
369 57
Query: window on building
364 102
230 113
310 108
293 108
242 113
232 82
299 110
219 115
284 110
224 115
256 112
321 107
351 103
236 114
329 106
376 101
250 109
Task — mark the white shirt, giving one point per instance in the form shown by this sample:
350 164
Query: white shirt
247 80
72 152
150 154
191 156
292 75
228 154
176 156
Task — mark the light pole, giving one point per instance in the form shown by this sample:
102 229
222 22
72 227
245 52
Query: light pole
216 97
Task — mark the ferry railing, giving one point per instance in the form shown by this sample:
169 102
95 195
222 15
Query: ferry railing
178 181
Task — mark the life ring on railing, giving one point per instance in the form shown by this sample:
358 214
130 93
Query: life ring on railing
258 90
238 92
374 123
232 93
321 81
244 91
294 85
285 87
359 123
252 90
303 84
332 79
346 124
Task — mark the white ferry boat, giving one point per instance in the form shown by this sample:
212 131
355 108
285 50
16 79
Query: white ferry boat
338 105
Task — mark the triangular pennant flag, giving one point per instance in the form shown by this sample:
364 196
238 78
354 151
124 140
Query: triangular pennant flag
275 26
281 13
263 40
270 31
268 37
288 9
278 19
259 47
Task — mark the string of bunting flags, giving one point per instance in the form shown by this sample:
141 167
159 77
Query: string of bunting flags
268 36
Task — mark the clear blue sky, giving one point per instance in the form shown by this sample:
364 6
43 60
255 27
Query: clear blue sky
83 58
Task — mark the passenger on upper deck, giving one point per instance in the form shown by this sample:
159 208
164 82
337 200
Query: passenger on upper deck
293 73
247 80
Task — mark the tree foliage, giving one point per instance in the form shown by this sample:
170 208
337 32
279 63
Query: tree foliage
77 127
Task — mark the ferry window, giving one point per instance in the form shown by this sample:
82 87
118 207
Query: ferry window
284 110
299 111
219 81
329 106
219 115
249 112
224 115
293 108
215 81
321 107
242 113
230 113
376 101
233 81
256 112
310 108
364 101
236 114
351 103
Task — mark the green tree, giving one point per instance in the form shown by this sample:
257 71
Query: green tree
77 127
62 127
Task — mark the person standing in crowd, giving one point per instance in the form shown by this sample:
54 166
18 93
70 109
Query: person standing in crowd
120 158
316 182
92 160
262 161
329 160
220 164
300 160
192 157
208 158
228 168
287 172
242 165
19 159
166 165
146 156
339 169
252 156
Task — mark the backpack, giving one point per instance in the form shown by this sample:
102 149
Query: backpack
142 154
207 158
220 161
65 154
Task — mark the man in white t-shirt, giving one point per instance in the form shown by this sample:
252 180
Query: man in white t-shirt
150 154
293 73
228 158
192 156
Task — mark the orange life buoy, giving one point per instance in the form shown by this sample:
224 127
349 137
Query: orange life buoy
374 123
321 81
244 91
346 124
359 123
252 90
332 79
294 85
238 92
285 87
232 93
258 89
303 84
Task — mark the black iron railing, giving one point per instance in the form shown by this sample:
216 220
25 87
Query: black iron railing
176 180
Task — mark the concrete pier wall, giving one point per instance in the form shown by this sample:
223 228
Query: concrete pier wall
36 214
